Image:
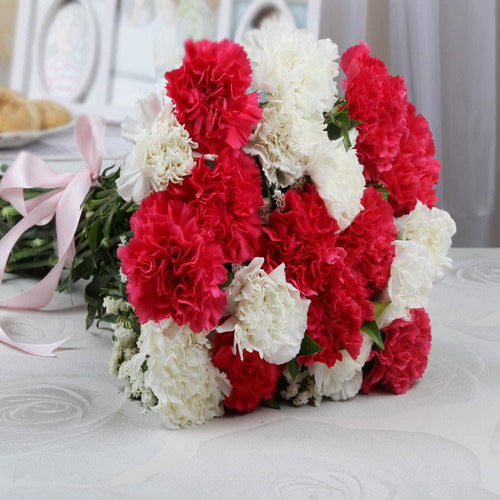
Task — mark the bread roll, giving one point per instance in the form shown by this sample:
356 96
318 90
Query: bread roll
53 114
17 113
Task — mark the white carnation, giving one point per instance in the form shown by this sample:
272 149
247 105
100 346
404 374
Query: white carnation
434 229
282 140
163 153
338 176
410 281
180 373
146 112
267 313
343 380
293 66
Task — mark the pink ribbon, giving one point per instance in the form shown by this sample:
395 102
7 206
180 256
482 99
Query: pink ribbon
64 202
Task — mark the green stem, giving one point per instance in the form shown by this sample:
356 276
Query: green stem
98 195
14 268
110 243
30 252
100 203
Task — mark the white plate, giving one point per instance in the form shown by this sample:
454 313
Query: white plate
20 138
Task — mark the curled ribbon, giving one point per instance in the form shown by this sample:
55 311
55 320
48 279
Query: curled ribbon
64 202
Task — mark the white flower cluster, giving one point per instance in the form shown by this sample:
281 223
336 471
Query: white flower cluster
282 141
174 364
301 390
433 228
338 176
131 370
163 151
293 66
424 239
410 282
124 346
124 338
298 73
343 380
267 314
112 305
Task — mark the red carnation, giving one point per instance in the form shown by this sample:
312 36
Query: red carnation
210 95
415 172
394 144
379 100
172 269
368 242
404 359
303 236
226 198
252 379
335 317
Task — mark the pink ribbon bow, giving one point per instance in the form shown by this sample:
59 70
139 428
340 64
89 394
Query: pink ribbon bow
64 201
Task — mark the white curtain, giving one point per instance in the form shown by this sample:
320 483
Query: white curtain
447 52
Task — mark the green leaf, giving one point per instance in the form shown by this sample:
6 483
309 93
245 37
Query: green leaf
371 329
293 368
91 313
93 290
229 280
109 220
83 269
308 346
384 192
271 403
346 139
343 118
380 307
333 131
92 234
381 188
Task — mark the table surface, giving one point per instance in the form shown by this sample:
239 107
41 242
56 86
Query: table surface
66 430
62 154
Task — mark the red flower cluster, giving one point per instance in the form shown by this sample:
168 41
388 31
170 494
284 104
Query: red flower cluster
253 379
394 144
379 100
210 95
184 235
226 197
173 269
404 359
335 317
368 242
303 236
415 171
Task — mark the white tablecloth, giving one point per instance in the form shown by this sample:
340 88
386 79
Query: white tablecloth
61 153
67 432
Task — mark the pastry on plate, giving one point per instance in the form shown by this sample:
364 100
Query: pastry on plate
53 114
17 113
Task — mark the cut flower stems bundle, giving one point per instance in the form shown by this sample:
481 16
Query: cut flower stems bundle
266 241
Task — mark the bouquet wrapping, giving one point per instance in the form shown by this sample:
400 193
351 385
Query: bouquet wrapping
267 240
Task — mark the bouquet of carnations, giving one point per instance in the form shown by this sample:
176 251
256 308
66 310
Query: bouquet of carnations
266 241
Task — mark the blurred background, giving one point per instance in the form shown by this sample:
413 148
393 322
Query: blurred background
101 55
